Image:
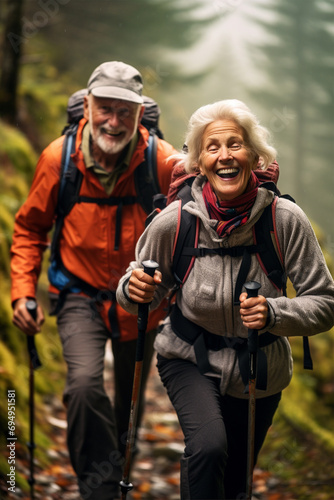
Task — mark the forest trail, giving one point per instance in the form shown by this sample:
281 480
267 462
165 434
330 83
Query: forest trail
156 469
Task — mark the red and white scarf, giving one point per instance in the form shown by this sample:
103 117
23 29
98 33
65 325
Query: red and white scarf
234 213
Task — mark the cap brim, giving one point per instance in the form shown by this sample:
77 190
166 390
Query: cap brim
117 93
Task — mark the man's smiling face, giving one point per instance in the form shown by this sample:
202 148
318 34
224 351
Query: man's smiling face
113 122
225 159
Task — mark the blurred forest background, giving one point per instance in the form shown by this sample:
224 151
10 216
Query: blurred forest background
277 56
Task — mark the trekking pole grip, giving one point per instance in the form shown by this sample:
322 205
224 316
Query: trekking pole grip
31 306
149 268
252 289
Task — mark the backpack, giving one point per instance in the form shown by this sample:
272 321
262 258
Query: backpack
145 175
186 249
146 185
267 249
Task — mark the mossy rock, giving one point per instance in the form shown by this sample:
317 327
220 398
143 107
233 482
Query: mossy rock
16 153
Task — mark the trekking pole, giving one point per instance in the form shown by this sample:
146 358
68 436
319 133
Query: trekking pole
34 363
252 289
149 268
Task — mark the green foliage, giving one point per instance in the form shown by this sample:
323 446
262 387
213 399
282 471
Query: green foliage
141 33
298 105
300 444
308 390
296 57
6 225
16 153
18 159
43 101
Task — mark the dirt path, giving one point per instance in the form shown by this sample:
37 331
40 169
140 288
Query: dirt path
156 469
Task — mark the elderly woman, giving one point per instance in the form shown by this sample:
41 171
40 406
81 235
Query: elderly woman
225 143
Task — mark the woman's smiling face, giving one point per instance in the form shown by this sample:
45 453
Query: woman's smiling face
225 159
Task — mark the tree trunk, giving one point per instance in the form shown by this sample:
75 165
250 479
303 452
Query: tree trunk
11 53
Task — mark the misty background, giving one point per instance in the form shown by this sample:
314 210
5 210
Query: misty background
276 55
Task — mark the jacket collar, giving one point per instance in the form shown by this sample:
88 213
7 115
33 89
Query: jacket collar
137 157
197 207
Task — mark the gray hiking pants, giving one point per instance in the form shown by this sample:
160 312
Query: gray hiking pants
96 432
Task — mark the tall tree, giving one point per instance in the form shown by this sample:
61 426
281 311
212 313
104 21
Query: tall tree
10 60
298 58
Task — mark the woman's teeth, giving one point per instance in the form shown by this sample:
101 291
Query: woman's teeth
227 172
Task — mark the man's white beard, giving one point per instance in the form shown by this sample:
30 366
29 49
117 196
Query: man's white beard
108 148
103 143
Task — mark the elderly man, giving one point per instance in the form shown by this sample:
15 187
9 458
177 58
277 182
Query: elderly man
110 144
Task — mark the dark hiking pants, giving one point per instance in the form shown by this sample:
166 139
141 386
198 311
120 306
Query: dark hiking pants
214 464
97 430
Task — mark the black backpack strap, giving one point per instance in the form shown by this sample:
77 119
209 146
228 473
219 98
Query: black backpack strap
242 275
271 186
308 363
265 234
151 152
186 246
203 340
146 176
186 238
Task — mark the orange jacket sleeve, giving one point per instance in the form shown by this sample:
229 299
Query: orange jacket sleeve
33 222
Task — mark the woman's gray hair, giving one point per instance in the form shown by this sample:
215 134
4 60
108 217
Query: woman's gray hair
255 135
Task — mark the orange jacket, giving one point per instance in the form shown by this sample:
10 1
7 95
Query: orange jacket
88 234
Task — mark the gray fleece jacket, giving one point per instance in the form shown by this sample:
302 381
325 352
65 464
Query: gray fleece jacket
206 298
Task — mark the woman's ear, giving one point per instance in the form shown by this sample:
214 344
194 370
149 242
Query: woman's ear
255 162
199 168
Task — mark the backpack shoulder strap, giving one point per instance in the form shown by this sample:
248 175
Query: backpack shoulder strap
146 176
70 176
271 186
69 186
186 237
270 258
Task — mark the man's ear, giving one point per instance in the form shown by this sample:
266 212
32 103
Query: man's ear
86 107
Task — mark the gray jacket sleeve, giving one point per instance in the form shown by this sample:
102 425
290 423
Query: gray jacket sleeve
155 243
312 310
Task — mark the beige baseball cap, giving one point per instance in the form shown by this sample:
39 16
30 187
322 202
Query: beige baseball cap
116 80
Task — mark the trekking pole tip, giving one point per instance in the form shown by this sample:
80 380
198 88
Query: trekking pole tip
125 488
